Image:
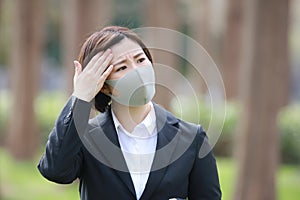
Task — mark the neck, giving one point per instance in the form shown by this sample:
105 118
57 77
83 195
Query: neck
128 116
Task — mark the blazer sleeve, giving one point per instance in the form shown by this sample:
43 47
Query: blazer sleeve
62 160
204 181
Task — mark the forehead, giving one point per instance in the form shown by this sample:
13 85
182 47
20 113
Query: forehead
125 47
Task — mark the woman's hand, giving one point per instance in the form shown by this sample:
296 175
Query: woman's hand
88 82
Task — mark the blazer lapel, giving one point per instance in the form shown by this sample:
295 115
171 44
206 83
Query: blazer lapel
167 139
105 147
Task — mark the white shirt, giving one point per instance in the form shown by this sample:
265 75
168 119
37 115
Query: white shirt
138 148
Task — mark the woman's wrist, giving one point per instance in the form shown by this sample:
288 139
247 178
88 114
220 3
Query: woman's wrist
81 97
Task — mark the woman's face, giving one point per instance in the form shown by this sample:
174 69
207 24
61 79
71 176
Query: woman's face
127 55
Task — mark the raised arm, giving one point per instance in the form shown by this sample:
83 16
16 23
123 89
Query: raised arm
62 160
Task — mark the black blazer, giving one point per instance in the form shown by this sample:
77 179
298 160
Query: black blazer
178 171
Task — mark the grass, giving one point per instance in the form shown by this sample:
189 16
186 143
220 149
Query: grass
288 180
22 181
289 183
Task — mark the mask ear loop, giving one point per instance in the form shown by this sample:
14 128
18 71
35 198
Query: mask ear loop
111 83
105 89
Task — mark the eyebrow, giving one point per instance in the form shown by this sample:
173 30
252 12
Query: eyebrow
135 56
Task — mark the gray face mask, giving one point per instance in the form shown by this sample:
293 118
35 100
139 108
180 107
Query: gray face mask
136 88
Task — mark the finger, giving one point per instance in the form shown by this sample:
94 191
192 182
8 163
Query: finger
92 62
101 80
104 65
76 69
99 63
105 74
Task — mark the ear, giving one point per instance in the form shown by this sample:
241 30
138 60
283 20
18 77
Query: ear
105 89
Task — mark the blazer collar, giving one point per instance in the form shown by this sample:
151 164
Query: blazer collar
107 147
166 124
106 141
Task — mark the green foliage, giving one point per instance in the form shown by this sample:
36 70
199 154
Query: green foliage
289 127
47 108
288 122
201 112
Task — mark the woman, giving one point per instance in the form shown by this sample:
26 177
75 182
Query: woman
133 149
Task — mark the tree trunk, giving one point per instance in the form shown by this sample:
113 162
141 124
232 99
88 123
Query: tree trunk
232 47
264 63
163 14
80 18
200 30
25 60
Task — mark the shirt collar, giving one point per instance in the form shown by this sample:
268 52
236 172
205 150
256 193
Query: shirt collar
149 122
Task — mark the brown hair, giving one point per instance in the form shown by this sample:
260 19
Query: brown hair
100 41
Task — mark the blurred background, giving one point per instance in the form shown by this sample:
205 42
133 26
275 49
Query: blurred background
255 44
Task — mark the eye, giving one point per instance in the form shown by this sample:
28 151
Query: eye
140 60
121 68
